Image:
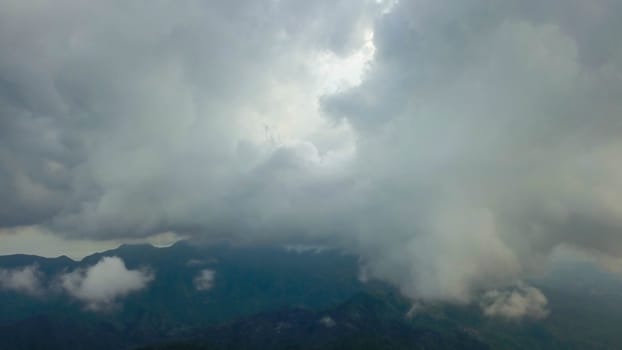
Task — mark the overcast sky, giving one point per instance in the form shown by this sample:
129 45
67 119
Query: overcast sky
453 145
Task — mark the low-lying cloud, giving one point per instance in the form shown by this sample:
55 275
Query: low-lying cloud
204 280
101 286
26 279
515 303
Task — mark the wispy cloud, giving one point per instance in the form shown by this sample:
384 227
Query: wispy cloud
204 280
26 279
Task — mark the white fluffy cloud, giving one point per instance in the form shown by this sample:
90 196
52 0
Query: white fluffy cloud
25 279
100 286
204 280
518 302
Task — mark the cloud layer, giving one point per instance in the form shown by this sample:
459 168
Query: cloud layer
471 140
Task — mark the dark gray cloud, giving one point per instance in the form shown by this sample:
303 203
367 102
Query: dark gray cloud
108 108
480 137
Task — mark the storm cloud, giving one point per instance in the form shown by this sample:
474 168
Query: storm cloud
453 146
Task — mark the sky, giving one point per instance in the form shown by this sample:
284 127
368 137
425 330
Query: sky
454 146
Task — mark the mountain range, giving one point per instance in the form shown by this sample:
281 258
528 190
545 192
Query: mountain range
238 297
